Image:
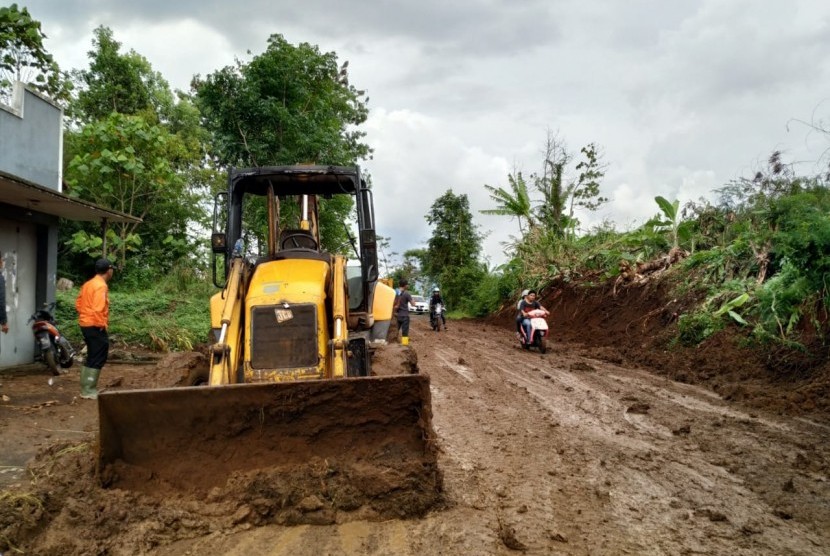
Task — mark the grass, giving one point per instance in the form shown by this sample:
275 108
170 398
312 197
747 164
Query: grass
166 316
23 500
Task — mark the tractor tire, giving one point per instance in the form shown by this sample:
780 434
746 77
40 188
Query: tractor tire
197 376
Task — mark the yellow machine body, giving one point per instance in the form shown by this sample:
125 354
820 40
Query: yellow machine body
289 376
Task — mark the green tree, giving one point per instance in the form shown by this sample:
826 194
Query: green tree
23 57
551 184
127 166
584 192
561 195
455 240
410 268
126 83
451 259
119 82
287 105
515 203
123 106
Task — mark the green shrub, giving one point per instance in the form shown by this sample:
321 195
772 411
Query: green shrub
693 328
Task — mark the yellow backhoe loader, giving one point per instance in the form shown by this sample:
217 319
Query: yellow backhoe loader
290 389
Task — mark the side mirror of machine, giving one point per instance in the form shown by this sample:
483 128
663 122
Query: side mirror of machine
219 243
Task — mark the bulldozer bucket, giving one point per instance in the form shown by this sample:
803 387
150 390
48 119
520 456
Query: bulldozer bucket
371 437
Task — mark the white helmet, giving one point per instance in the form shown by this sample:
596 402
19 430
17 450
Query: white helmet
525 292
436 290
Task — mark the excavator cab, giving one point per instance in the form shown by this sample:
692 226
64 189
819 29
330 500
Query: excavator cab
285 271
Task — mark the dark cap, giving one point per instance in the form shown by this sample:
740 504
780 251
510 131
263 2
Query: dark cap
403 282
102 265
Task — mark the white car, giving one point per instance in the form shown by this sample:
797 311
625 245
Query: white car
419 305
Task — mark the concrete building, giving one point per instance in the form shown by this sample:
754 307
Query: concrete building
31 206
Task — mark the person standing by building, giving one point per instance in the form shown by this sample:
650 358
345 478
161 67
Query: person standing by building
93 305
401 310
4 319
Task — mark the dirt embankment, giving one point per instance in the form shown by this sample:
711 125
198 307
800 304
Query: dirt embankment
582 451
636 325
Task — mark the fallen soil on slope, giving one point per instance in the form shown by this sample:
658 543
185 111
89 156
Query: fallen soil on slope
592 448
636 326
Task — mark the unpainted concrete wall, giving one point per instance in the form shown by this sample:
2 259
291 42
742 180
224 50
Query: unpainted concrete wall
31 138
31 143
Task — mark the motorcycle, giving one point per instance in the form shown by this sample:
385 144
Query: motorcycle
50 345
437 318
538 332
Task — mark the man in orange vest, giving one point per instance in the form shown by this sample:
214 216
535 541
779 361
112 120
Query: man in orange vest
93 305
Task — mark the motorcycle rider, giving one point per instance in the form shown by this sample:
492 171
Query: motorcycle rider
519 316
435 299
526 305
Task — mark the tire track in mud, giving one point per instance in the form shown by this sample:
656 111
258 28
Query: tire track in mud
530 467
631 437
564 454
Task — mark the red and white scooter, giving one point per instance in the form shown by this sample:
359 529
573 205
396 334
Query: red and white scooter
50 345
538 331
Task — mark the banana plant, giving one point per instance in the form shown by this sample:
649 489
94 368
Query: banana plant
730 306
680 230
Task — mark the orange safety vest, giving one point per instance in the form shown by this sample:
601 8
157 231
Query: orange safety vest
93 303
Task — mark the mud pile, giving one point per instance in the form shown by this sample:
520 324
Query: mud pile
368 472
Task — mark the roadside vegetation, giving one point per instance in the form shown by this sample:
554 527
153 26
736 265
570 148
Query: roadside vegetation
757 258
169 314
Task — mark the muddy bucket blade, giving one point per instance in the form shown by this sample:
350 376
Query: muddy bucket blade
196 438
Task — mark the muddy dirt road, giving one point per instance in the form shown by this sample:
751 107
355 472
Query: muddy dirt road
542 454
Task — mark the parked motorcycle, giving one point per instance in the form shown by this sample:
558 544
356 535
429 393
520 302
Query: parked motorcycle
537 336
436 318
50 345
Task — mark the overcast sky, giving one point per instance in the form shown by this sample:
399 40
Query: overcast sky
681 97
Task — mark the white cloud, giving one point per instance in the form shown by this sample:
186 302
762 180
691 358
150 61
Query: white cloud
416 160
681 97
187 47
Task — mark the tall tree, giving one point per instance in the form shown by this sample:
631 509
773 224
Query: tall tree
585 190
562 194
287 105
23 57
455 240
135 147
551 184
290 104
410 268
119 82
452 255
